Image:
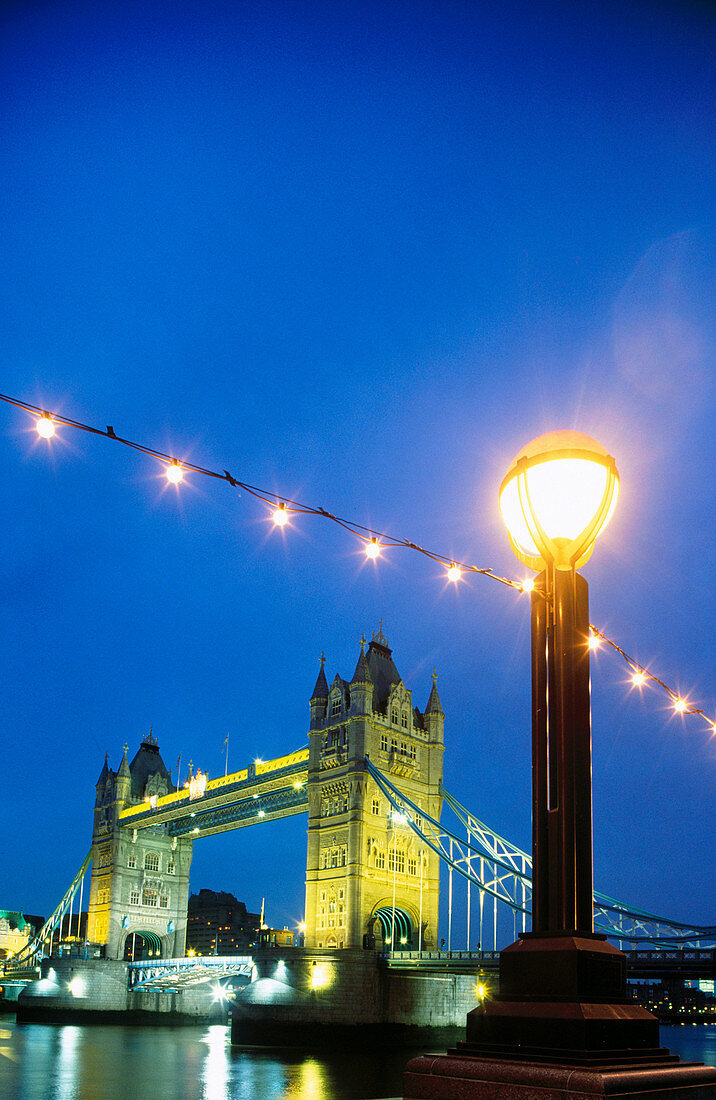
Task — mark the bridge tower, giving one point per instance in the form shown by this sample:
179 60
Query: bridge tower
140 881
367 873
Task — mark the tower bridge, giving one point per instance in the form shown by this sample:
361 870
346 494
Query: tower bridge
370 783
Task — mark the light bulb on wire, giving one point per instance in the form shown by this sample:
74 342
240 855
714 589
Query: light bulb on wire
280 516
638 679
372 549
454 573
45 427
527 584
174 473
680 705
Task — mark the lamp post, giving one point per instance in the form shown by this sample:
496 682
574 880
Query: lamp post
563 1007
559 493
562 986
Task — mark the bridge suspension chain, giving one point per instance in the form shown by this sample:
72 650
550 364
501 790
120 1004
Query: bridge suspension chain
34 950
504 871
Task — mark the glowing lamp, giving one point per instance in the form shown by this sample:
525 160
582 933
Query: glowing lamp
174 473
638 679
280 516
559 493
372 549
45 427
454 573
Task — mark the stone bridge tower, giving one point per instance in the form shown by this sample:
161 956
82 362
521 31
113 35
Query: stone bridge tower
140 878
359 855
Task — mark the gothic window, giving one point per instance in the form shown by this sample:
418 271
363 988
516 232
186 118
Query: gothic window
375 807
171 868
341 893
331 906
412 865
393 745
394 715
396 861
323 895
384 742
344 855
336 706
380 860
149 897
163 901
134 898
151 861
404 719
412 751
403 748
132 861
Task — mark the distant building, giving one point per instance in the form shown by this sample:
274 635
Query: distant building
220 924
16 931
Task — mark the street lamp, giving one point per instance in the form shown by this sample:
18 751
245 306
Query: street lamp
563 1006
562 987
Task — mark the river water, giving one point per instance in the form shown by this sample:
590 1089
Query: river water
64 1062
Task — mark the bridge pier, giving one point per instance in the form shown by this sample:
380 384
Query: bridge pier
312 997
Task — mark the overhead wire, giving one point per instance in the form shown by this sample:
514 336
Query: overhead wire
375 541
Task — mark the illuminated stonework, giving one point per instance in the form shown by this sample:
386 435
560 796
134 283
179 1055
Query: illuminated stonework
140 878
364 863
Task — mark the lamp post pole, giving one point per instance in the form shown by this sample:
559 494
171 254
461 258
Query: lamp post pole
562 885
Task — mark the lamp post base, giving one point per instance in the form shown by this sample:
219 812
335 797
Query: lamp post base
459 1076
561 1028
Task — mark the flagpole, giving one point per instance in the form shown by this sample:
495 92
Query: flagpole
226 762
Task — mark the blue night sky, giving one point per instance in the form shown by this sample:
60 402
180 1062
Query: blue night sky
358 254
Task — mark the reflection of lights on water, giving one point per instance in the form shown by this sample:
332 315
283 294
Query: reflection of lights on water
215 1072
312 1078
68 1060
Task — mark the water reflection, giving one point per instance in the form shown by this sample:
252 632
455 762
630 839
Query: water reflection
58 1062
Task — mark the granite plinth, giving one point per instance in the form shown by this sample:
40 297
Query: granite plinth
461 1077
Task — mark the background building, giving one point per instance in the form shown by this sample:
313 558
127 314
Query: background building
219 924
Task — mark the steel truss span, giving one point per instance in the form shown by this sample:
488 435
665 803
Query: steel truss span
503 871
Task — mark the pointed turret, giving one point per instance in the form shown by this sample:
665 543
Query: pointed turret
434 714
362 684
124 772
320 691
434 705
104 773
362 673
319 699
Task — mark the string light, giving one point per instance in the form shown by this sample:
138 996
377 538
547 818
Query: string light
45 425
